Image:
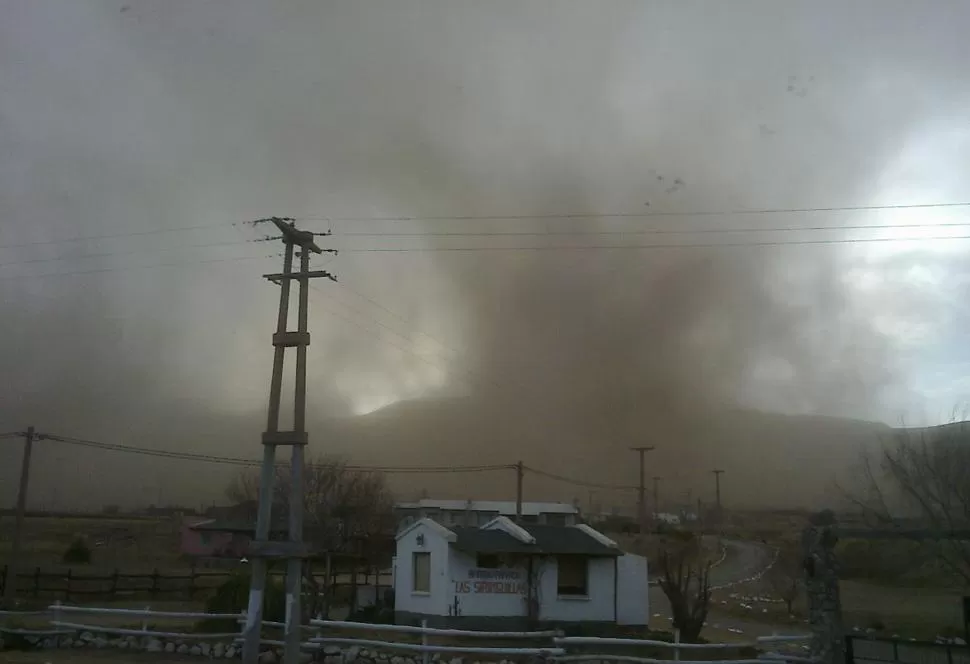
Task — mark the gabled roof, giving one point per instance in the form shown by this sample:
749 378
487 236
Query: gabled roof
433 525
549 540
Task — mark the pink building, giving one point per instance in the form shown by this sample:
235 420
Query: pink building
213 538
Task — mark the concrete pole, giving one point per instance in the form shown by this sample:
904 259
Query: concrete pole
519 472
257 587
822 589
656 494
294 566
10 583
641 489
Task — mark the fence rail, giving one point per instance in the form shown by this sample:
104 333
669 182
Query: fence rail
68 584
555 646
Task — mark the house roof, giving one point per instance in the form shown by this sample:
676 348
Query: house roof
506 507
551 540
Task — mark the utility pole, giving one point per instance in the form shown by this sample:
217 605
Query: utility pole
519 472
10 583
641 495
293 551
717 492
656 494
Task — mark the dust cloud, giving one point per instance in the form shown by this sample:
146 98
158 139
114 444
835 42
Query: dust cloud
561 350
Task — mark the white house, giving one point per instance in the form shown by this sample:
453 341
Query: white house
479 512
502 575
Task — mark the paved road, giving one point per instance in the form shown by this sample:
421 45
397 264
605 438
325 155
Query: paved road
742 561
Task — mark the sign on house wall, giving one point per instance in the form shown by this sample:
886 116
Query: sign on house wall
492 582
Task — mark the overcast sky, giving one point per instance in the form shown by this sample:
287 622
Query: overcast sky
123 118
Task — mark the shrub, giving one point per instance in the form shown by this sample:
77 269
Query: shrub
79 553
233 596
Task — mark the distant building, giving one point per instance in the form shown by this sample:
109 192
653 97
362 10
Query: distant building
474 513
505 576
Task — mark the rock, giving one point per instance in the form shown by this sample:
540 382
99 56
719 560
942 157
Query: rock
218 650
397 659
332 659
169 647
101 642
195 650
456 660
230 652
65 642
87 636
182 649
78 643
205 648
46 645
268 657
352 653
958 641
305 658
153 645
123 645
331 650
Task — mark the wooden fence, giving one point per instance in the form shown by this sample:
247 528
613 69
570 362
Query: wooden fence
71 584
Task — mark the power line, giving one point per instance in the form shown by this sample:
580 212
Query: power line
693 245
645 215
156 231
238 461
649 231
583 483
128 252
134 267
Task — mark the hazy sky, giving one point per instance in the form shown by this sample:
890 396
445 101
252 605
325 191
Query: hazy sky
124 118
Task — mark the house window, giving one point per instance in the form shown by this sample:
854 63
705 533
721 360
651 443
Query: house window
488 561
421 572
573 578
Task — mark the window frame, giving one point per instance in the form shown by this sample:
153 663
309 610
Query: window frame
415 556
571 591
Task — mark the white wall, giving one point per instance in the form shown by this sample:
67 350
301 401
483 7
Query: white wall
476 600
436 602
632 591
598 606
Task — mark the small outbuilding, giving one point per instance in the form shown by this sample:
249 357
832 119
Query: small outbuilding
504 576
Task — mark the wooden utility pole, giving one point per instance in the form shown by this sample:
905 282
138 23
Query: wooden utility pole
519 472
641 492
293 551
13 566
717 492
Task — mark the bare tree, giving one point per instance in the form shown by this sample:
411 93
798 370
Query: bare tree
345 511
919 485
685 580
786 575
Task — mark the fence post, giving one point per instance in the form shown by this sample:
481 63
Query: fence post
676 644
36 581
67 590
154 590
57 612
424 640
144 623
192 581
114 583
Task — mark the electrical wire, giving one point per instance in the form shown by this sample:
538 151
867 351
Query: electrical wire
134 267
693 245
238 461
651 231
646 215
12 434
570 480
126 252
156 231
